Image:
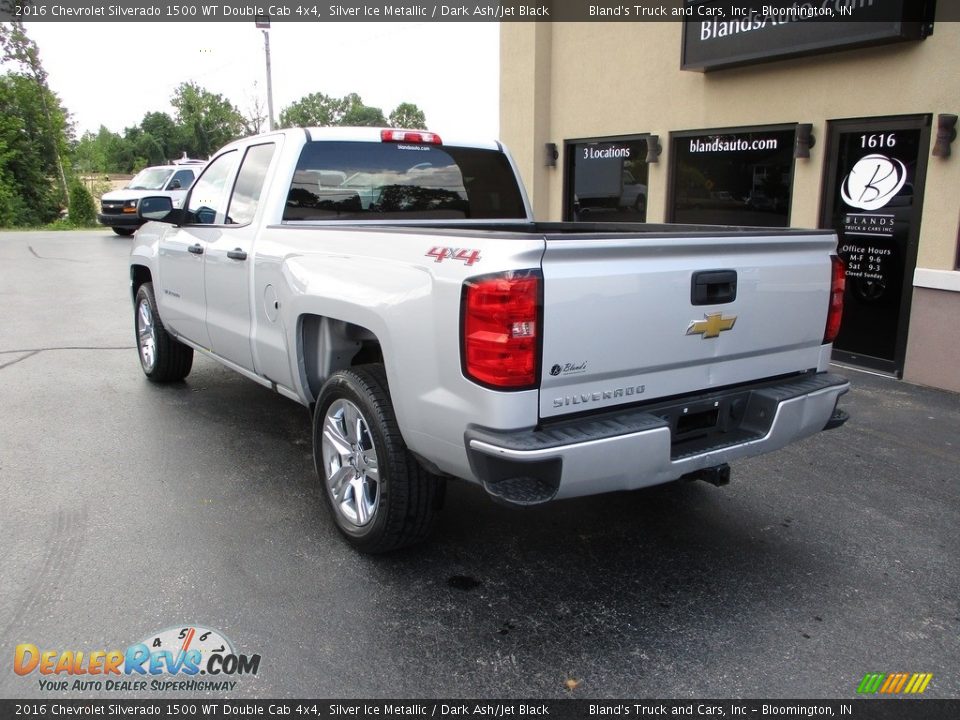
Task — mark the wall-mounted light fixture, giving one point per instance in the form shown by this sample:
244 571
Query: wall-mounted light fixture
946 134
551 155
805 141
653 148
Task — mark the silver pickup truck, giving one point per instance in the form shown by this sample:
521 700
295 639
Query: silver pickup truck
397 284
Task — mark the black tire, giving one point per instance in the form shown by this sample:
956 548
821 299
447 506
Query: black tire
403 501
126 232
170 359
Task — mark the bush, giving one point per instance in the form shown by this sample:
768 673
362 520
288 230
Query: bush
83 212
11 204
60 224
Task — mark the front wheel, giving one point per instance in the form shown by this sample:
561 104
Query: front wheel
162 357
378 494
126 232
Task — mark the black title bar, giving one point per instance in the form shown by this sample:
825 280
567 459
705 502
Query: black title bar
477 11
859 709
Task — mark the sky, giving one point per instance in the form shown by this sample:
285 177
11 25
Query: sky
114 73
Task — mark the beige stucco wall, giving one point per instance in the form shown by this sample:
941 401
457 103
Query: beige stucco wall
572 80
932 343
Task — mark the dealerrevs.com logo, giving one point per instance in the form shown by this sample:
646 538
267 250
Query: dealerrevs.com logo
172 659
894 683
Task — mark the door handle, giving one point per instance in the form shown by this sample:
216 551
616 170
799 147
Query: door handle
713 287
237 254
195 249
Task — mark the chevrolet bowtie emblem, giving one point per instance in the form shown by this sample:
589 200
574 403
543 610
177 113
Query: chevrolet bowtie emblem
711 326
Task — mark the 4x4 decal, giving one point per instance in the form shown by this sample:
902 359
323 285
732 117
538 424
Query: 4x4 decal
467 255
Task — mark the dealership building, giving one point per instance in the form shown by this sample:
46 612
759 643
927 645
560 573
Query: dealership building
846 124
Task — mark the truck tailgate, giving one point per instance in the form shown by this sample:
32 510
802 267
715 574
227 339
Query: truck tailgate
630 320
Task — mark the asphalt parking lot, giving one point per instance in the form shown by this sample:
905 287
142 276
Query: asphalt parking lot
127 508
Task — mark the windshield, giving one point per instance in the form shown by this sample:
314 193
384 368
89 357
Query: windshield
374 181
150 179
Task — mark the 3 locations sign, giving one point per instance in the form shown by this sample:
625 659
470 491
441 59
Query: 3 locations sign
608 180
717 35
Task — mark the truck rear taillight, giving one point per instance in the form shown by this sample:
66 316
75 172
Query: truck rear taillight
410 136
500 329
838 284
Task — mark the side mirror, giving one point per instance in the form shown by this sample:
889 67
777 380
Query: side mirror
160 209
174 185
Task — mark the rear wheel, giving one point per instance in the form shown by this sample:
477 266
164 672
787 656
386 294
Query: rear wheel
378 494
162 357
126 232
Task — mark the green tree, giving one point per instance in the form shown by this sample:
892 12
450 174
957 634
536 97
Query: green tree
162 128
355 113
255 119
408 115
322 110
12 208
27 152
102 152
315 109
12 205
141 149
55 131
207 120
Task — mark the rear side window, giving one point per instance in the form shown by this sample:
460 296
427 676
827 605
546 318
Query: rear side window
373 181
249 185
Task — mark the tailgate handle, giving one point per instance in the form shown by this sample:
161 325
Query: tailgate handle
713 287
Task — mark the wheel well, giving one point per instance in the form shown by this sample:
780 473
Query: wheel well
138 276
327 345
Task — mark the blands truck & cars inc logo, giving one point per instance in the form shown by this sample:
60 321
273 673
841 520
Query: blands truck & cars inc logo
171 659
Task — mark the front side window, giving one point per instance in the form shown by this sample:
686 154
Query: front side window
181 180
249 185
208 197
373 181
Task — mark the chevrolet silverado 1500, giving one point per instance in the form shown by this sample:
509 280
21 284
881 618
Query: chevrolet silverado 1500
398 286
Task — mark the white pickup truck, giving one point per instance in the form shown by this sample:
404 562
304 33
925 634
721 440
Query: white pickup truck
398 286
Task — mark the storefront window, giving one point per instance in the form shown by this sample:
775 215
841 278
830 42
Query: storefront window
607 180
733 177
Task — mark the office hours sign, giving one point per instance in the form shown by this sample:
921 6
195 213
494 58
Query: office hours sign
873 190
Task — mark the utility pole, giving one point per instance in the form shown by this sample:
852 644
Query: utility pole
263 22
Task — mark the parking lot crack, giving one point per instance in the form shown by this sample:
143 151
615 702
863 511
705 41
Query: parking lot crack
44 257
30 352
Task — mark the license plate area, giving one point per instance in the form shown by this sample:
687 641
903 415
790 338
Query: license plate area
698 422
703 424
